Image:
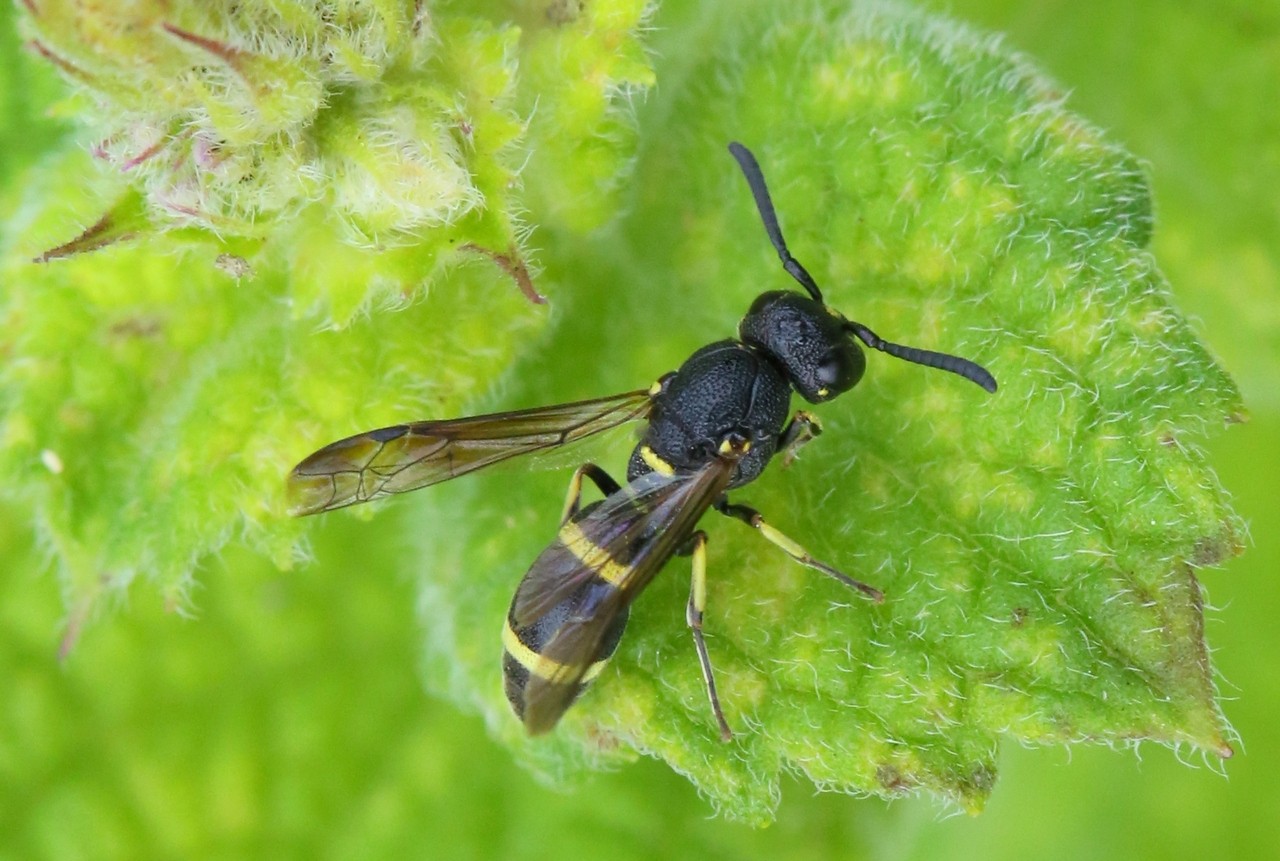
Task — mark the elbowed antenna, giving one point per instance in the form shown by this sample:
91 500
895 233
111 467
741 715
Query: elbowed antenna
760 191
943 361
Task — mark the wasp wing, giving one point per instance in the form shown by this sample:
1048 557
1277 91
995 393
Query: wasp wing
409 456
607 554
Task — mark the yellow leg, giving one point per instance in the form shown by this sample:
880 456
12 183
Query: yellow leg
693 615
751 517
572 500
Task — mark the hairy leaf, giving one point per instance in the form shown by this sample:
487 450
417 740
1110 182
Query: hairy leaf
391 132
273 190
1037 547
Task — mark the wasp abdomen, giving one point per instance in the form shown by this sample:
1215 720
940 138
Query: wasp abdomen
531 650
522 659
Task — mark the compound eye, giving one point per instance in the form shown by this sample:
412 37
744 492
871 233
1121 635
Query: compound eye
831 368
838 370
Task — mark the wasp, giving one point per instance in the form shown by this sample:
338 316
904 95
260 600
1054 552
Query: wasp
712 426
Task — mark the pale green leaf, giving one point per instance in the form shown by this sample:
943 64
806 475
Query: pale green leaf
1037 547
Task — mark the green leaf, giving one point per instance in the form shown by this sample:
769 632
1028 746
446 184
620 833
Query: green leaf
155 398
281 173
125 219
386 131
1037 547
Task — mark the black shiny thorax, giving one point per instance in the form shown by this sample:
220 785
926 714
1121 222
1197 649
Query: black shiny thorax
727 388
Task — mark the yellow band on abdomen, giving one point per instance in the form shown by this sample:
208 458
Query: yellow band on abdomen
544 667
592 555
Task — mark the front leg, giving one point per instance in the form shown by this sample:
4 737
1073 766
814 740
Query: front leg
803 427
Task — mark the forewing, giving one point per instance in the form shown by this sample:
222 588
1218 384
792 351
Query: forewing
406 457
621 544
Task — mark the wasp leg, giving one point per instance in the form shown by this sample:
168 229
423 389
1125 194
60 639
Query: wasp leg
751 517
693 615
573 499
803 427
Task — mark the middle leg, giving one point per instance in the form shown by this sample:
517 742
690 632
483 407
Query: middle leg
753 518
573 499
693 615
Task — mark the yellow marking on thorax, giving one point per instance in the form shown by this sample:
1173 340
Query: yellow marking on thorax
657 464
592 555
543 667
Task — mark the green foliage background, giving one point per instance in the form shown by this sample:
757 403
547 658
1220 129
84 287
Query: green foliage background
222 736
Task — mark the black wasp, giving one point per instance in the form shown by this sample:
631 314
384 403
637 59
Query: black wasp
713 425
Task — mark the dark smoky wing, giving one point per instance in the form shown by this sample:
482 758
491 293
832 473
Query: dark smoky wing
624 542
406 457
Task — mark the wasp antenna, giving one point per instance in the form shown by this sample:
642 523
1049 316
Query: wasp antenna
971 371
760 191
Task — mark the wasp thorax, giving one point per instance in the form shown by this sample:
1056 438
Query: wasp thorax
807 341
